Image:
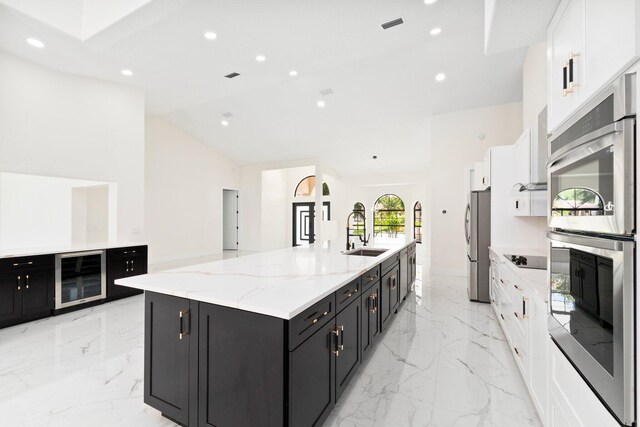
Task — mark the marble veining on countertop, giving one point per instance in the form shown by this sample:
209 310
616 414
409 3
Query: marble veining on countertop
280 283
536 279
78 247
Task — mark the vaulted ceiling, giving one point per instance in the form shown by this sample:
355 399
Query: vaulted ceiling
382 81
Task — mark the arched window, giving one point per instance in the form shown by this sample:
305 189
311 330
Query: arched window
358 223
417 222
577 202
307 187
388 216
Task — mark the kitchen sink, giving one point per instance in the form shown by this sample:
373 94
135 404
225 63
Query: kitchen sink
367 252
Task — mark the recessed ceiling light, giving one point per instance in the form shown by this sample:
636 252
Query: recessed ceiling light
35 43
210 35
440 77
224 123
435 31
127 73
293 73
261 58
430 1
321 104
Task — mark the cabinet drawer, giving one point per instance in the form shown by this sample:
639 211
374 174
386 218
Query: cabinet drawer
19 264
370 277
349 292
129 252
390 263
313 318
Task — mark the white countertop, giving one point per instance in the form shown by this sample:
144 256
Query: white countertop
535 279
280 283
12 253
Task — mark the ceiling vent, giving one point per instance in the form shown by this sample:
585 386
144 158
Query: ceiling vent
392 23
327 91
227 115
232 75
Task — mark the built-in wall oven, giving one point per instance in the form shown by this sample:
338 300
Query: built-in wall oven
591 166
80 278
591 176
592 314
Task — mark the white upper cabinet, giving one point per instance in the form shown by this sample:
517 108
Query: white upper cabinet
526 203
590 42
522 158
566 62
478 177
486 177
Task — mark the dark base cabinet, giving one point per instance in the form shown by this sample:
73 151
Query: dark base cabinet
26 289
121 263
208 365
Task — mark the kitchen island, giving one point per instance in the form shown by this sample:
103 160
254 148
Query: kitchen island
269 339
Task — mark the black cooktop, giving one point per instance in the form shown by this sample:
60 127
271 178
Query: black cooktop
528 261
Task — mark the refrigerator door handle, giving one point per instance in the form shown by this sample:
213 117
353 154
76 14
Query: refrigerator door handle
467 223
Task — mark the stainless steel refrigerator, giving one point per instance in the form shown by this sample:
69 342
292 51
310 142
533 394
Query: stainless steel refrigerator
477 228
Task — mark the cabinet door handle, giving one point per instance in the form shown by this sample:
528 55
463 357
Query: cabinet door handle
18 281
502 316
338 347
131 265
516 314
516 350
127 266
517 287
181 315
26 283
571 84
393 279
564 81
524 307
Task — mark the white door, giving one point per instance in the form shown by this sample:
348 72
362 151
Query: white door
230 219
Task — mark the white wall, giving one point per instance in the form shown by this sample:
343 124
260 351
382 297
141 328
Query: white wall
61 125
534 85
184 180
275 210
454 144
37 211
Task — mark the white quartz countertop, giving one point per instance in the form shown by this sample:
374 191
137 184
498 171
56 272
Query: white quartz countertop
12 253
535 279
280 283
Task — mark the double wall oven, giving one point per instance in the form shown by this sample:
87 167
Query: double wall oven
592 190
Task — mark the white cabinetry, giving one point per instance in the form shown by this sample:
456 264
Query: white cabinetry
486 177
478 177
525 165
522 313
590 42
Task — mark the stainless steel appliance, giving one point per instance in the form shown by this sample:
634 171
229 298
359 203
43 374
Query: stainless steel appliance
591 171
592 314
592 248
528 261
80 278
477 228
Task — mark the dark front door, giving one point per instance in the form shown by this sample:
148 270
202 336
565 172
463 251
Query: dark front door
303 221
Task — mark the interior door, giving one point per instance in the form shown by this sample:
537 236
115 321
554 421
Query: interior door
230 219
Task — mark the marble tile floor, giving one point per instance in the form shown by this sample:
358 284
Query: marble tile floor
443 362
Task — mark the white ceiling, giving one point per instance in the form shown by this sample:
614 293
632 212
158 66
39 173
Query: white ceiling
383 81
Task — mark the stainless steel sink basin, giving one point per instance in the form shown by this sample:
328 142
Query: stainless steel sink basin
367 252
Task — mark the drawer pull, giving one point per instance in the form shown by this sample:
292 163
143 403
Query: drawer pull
313 319
349 293
516 350
516 314
502 316
129 252
501 281
517 287
17 264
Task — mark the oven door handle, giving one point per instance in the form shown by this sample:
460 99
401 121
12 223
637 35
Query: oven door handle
559 155
592 242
